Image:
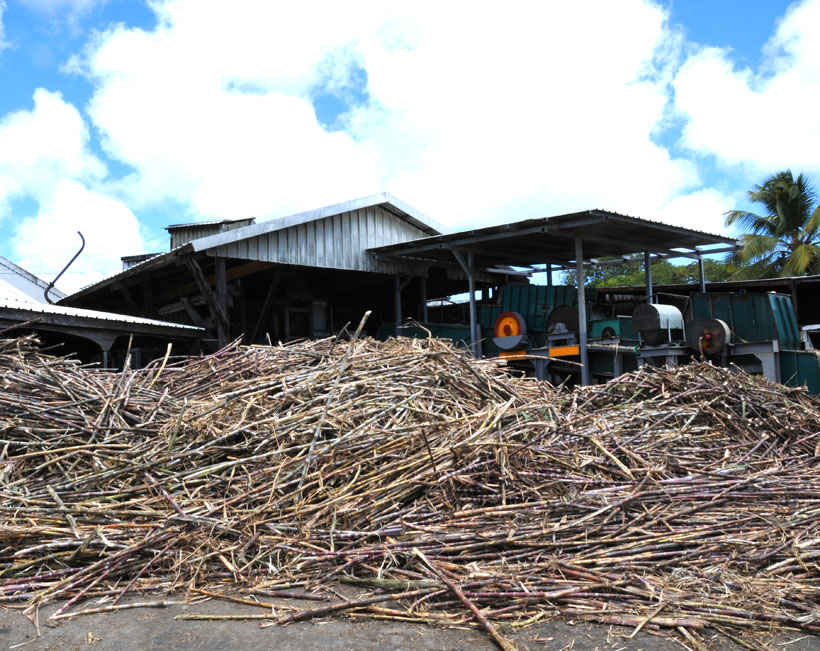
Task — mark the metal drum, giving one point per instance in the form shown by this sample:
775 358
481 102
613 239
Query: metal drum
658 324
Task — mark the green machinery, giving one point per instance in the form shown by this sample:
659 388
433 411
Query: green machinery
764 335
536 329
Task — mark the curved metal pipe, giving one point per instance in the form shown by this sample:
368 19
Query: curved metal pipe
70 262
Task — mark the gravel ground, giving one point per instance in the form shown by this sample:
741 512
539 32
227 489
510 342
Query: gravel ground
157 629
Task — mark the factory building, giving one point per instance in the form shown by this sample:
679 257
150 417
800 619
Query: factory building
305 275
313 273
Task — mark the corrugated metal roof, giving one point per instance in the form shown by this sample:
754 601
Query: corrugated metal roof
550 239
159 260
658 222
338 241
308 247
387 201
95 315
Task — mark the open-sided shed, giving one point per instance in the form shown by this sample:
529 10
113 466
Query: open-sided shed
573 240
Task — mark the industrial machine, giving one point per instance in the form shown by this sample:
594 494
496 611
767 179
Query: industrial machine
756 332
536 329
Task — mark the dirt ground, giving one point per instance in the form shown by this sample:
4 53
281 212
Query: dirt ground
156 628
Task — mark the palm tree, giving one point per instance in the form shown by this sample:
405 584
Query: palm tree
785 241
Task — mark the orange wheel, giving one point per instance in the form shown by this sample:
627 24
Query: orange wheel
509 330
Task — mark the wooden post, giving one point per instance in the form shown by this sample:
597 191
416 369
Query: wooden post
220 317
221 282
267 305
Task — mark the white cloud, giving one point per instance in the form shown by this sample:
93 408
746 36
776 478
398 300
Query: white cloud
230 130
766 120
40 147
701 210
48 240
474 115
45 156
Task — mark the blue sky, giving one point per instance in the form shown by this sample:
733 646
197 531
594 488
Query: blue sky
120 117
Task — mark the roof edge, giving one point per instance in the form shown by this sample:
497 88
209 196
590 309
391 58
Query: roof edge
396 207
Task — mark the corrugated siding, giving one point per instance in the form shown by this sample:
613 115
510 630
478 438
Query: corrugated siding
183 234
337 242
180 237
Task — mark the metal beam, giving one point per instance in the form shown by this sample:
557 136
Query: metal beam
397 302
582 310
467 266
701 273
647 272
423 290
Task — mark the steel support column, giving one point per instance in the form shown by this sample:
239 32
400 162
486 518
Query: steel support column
468 267
701 273
397 302
647 272
475 337
549 274
423 290
582 310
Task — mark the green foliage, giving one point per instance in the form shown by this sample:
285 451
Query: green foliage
663 273
785 239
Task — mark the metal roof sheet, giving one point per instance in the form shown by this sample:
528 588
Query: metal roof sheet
34 309
550 239
384 199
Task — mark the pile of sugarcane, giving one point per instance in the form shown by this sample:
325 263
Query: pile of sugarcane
442 489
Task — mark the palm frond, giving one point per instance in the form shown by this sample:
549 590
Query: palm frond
760 269
785 238
800 260
749 221
756 246
812 225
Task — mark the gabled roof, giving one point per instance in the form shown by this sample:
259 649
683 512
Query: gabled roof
384 199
